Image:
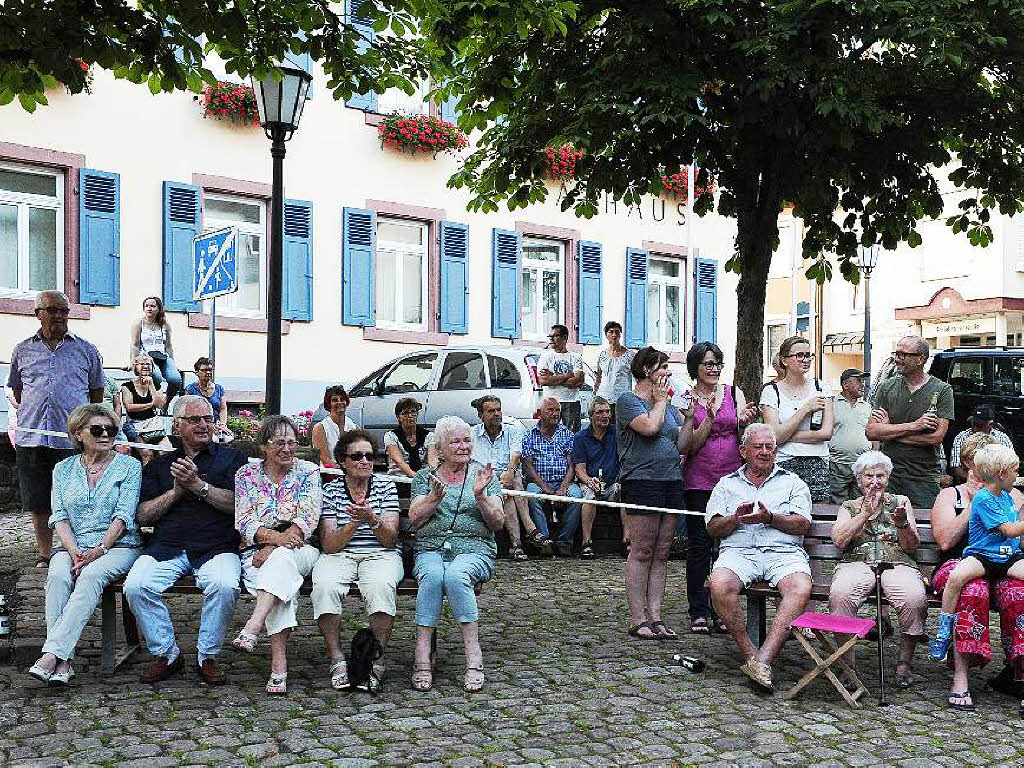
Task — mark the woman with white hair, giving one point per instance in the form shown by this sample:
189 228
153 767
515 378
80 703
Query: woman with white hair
879 527
455 512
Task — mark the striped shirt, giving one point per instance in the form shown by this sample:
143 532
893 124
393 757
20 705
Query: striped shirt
382 498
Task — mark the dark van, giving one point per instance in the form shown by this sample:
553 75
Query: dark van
984 375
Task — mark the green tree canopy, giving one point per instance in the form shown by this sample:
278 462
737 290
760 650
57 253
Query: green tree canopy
162 42
835 106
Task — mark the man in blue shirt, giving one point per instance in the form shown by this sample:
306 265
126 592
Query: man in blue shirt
595 454
546 451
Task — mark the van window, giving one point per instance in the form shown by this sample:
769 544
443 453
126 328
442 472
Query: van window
462 370
368 386
504 374
411 375
967 376
1008 373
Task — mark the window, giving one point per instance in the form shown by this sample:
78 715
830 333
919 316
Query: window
31 230
401 274
250 217
462 370
967 377
543 286
665 294
1009 376
368 386
504 374
397 100
410 375
775 336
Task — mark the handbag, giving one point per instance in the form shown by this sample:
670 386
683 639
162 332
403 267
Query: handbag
153 429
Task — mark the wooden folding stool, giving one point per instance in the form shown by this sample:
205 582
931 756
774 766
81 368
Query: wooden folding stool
819 624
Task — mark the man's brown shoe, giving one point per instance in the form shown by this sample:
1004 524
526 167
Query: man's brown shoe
159 669
211 673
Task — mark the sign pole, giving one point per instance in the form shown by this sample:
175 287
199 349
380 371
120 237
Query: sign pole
213 330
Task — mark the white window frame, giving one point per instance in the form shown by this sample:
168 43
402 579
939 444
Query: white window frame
777 321
227 305
24 201
402 249
397 100
661 282
537 268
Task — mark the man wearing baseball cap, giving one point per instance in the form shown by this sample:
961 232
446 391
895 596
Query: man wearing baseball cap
848 435
981 420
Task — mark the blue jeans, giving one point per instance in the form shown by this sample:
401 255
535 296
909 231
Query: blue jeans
162 364
455 578
570 520
149 578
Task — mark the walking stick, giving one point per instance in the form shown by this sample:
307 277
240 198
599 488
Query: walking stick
879 568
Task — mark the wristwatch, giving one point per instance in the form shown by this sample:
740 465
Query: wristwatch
204 491
102 547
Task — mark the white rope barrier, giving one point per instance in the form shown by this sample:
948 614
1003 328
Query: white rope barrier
140 446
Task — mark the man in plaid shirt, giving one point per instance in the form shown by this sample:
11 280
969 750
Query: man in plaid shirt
547 449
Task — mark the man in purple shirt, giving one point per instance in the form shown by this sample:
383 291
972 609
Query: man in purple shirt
52 373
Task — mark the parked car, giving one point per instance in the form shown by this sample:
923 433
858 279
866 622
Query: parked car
446 381
984 375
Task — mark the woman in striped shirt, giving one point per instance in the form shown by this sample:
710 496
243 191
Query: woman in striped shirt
358 534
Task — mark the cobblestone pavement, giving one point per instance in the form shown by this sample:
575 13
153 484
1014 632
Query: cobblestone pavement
564 687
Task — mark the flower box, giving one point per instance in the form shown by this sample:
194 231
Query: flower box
420 134
230 101
677 184
561 161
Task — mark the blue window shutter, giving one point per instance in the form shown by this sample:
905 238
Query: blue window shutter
707 300
304 62
99 241
364 27
636 298
450 109
591 294
359 229
454 277
181 224
506 253
298 260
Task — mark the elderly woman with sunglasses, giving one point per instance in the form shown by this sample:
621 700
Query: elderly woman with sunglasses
94 498
456 512
358 534
277 508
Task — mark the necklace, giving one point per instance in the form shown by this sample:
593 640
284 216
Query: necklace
95 469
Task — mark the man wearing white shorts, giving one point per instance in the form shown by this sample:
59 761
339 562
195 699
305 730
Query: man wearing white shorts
760 513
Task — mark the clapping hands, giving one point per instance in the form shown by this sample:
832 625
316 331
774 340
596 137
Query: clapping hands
482 479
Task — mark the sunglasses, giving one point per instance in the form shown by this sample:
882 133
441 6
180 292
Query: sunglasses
802 355
905 355
360 455
195 421
97 430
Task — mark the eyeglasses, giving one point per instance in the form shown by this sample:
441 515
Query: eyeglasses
360 455
204 370
411 412
195 421
98 430
554 336
55 310
802 355
711 365
284 443
905 355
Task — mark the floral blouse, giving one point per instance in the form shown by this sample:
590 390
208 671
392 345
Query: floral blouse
878 540
260 503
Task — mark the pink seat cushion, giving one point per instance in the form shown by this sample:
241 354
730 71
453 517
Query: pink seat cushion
848 625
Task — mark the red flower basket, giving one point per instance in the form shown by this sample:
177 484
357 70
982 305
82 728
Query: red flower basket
562 161
230 101
420 133
677 184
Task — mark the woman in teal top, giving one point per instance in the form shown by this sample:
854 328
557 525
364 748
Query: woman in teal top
93 501
455 512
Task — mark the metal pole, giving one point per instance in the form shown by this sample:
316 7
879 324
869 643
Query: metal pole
867 322
213 329
272 396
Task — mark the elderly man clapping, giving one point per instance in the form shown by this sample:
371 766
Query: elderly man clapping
761 513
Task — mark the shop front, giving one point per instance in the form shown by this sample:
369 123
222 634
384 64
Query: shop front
949 320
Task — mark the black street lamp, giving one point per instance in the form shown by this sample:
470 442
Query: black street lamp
867 260
280 100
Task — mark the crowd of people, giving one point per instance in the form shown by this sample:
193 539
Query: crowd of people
742 476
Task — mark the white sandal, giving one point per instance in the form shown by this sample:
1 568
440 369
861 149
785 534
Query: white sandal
244 642
339 675
277 685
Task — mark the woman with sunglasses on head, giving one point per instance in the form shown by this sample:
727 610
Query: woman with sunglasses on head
326 433
214 394
277 508
358 534
94 496
798 408
720 414
151 335
408 444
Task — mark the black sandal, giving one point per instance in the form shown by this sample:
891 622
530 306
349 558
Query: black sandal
700 626
666 632
634 631
538 539
966 701
516 552
587 552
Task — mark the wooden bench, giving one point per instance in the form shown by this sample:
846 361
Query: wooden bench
824 556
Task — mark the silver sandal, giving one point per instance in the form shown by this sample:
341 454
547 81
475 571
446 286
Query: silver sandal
339 675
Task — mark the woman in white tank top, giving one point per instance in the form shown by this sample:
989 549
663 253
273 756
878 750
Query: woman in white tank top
151 335
326 433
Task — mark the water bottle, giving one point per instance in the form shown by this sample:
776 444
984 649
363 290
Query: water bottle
691 663
5 618
600 481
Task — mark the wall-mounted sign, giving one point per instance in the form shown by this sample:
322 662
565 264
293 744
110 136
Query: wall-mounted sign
970 327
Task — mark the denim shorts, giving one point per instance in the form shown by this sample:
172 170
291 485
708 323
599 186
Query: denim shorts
752 565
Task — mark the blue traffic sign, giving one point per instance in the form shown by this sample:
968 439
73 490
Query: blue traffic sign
214 264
